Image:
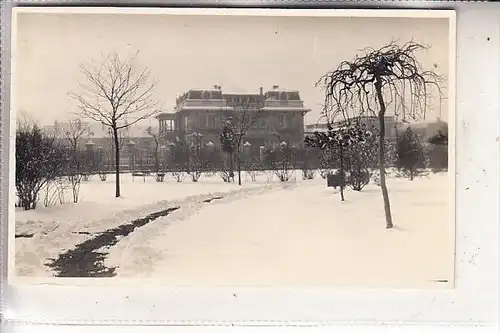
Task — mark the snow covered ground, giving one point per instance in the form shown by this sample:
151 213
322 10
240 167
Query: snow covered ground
296 234
48 231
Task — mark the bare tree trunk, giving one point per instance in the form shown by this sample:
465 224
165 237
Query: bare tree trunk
341 172
231 167
157 159
117 161
383 185
238 165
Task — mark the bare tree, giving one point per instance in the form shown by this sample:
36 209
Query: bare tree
195 161
238 123
72 132
156 148
387 77
118 94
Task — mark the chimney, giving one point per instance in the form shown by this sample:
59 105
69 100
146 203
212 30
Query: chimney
261 91
276 87
217 87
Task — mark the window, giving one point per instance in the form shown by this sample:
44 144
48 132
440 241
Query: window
281 120
206 95
289 120
171 125
211 122
202 121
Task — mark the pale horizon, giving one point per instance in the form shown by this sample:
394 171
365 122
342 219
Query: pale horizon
186 52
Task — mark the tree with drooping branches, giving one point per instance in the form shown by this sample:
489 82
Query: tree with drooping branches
390 78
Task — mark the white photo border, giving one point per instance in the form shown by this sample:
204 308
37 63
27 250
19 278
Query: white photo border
473 302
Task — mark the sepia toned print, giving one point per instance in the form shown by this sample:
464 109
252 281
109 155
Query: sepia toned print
233 147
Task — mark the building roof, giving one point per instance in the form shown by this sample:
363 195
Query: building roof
283 108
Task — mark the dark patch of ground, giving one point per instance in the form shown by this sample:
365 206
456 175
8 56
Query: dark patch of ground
24 235
85 261
209 200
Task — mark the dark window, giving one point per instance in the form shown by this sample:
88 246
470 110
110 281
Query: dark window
202 121
281 121
211 122
261 123
289 120
206 95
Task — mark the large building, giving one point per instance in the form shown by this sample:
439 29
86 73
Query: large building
277 115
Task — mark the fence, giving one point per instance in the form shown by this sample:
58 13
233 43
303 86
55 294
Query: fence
213 159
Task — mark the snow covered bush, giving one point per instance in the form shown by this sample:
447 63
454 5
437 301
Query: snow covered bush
352 148
326 162
410 153
227 175
226 168
281 161
75 180
55 192
306 165
195 157
228 141
40 159
178 175
361 156
160 177
308 174
103 175
358 179
179 159
253 167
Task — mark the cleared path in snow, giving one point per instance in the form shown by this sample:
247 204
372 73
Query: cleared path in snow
87 259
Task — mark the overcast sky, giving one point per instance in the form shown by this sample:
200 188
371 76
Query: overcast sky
238 53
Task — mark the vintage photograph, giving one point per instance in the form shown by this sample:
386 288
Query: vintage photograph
251 148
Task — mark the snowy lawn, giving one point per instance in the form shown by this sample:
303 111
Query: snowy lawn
301 236
48 231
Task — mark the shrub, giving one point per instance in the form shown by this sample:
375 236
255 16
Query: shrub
159 177
281 162
410 153
308 174
40 159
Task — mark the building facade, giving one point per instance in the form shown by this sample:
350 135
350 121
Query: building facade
273 116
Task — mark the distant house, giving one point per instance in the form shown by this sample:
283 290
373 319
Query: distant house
279 115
